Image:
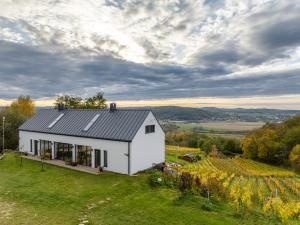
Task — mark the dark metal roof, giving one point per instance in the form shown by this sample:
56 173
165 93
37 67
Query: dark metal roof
121 124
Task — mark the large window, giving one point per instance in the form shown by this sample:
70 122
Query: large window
150 129
63 151
45 149
84 155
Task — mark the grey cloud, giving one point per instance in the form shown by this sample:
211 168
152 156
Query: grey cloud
271 32
284 34
112 46
151 51
232 54
46 65
226 55
26 70
149 48
53 39
181 26
136 6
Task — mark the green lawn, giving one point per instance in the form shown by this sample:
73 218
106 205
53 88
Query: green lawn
29 196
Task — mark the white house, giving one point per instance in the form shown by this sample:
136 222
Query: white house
119 140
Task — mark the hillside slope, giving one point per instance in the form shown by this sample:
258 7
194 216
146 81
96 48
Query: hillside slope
61 196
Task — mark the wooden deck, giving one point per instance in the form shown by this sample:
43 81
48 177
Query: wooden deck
61 163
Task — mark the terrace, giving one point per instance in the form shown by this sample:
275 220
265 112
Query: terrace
62 163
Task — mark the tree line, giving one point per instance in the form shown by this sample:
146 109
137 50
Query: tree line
277 143
76 102
228 146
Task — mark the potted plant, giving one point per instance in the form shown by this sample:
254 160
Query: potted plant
100 168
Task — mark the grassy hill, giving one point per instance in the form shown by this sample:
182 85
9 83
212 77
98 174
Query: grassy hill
56 195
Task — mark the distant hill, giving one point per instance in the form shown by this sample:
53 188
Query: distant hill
175 113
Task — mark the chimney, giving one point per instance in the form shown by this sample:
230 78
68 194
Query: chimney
61 106
112 107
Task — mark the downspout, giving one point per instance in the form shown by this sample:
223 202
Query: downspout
39 151
129 155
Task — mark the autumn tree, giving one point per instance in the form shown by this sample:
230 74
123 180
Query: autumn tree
268 146
15 115
249 146
75 102
70 102
291 138
96 102
273 142
231 146
294 157
23 105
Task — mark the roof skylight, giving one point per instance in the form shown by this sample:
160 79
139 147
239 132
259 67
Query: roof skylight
91 122
56 120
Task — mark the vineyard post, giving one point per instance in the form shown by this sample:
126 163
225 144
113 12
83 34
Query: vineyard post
208 196
208 193
276 192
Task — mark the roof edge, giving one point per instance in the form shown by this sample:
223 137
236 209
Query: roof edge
107 109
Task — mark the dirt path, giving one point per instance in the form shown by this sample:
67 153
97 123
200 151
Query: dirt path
6 210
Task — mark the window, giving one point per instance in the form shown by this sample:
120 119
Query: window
150 129
84 155
63 151
91 123
55 121
105 158
97 158
45 149
30 145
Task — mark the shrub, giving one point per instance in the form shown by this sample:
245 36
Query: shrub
170 180
185 182
294 157
155 179
207 206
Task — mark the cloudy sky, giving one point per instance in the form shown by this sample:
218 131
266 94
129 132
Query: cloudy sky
181 52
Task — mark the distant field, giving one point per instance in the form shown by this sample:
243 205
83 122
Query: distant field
232 125
233 129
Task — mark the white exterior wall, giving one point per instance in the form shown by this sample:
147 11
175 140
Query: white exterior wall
117 151
147 149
